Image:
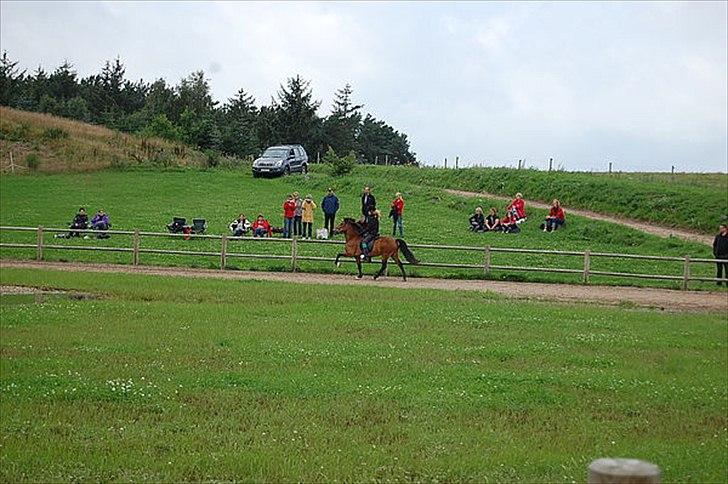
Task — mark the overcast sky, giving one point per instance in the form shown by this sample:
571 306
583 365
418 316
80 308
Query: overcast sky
641 84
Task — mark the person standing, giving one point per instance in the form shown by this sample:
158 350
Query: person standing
297 214
330 205
368 202
397 210
720 251
307 208
289 210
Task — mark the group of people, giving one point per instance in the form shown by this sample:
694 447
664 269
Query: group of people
100 221
298 217
515 214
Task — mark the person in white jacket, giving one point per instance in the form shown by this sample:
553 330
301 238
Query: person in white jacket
240 226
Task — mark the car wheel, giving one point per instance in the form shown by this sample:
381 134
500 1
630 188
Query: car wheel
287 171
304 169
256 175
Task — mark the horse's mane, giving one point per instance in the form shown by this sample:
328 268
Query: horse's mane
357 226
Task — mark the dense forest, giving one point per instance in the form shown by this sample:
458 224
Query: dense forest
187 112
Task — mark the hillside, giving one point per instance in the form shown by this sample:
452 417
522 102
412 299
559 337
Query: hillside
688 200
63 145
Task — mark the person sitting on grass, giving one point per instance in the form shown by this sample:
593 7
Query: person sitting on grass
492 222
477 220
261 227
509 224
555 218
80 221
100 222
239 226
518 208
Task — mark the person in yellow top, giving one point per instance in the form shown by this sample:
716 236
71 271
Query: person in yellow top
308 208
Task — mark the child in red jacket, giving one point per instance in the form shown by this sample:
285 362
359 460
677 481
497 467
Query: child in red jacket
261 227
396 214
518 208
289 211
555 218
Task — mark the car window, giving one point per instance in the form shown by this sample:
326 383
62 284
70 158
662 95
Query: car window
291 153
274 153
298 153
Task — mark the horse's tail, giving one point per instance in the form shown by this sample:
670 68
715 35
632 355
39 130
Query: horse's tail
407 252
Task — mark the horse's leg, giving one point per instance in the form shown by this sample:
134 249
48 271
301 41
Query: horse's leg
358 266
340 254
395 256
383 268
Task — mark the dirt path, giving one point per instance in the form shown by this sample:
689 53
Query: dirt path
642 226
667 299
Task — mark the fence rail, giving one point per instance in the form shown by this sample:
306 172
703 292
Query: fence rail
295 257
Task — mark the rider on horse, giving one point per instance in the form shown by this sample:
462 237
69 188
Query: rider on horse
371 232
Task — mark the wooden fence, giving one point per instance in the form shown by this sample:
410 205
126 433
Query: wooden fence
295 258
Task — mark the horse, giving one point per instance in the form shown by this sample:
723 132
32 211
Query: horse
384 247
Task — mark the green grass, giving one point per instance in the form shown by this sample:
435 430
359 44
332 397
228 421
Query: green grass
169 379
689 200
149 199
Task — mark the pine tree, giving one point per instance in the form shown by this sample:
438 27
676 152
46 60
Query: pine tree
341 128
11 80
238 126
297 121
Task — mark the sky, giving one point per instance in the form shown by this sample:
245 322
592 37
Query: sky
643 85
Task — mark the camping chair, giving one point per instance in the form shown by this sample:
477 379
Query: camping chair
198 225
177 225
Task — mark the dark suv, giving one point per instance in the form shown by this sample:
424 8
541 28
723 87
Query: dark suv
281 160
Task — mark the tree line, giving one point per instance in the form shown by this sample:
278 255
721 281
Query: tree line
187 112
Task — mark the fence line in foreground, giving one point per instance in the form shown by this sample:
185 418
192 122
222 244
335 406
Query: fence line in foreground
487 266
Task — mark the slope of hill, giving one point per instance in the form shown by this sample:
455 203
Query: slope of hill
55 144
692 200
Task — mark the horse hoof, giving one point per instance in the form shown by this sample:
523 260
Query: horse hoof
358 277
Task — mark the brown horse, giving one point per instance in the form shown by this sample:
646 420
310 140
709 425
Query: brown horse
384 247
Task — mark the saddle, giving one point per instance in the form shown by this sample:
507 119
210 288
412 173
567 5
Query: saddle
371 243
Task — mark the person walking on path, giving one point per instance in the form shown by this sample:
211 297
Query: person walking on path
368 202
308 207
297 214
330 205
396 213
289 210
720 251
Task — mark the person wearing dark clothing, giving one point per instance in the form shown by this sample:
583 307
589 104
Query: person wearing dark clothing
368 202
477 220
298 215
720 251
330 205
80 221
492 222
371 232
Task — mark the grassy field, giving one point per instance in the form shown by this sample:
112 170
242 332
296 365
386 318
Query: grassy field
148 199
688 200
168 379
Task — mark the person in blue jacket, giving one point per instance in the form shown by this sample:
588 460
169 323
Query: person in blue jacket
330 205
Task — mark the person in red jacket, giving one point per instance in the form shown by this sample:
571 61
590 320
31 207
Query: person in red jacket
518 208
396 214
289 212
555 218
261 227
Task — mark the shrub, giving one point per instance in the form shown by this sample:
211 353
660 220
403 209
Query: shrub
212 158
32 161
340 166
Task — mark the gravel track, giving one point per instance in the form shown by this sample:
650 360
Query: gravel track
635 224
665 299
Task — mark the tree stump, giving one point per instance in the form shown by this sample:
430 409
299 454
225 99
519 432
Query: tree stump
623 471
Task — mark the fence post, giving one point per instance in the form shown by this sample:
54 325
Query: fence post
551 163
587 265
39 244
686 273
294 253
486 260
223 251
135 248
623 471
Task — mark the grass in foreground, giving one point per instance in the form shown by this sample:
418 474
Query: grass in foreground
173 379
149 199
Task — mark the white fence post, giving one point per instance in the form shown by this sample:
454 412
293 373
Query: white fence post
135 248
39 244
294 254
223 252
686 273
587 266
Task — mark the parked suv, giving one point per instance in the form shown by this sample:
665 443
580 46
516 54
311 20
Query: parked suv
281 160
